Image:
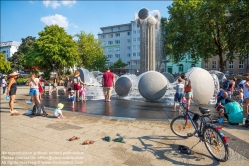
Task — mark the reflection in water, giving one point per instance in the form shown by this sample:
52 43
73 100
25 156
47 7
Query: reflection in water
83 107
108 111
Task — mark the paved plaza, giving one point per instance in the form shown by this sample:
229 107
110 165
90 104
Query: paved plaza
27 140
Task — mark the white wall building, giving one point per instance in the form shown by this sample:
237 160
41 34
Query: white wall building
122 41
9 48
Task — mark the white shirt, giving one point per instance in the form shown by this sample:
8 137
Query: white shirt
57 111
32 84
246 91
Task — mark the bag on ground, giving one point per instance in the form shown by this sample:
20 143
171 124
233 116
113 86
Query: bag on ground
38 110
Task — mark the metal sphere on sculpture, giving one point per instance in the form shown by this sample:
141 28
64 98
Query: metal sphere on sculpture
143 13
202 85
123 86
152 85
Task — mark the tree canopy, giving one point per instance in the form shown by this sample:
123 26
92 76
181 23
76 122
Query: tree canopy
91 55
4 65
118 64
208 28
53 49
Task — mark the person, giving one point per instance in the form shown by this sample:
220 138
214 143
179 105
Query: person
4 84
11 91
240 96
72 98
221 102
233 112
108 84
34 92
65 84
69 88
188 92
55 88
246 93
40 88
77 81
231 87
220 92
240 85
179 93
82 92
58 112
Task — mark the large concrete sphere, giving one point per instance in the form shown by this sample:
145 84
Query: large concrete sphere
152 85
202 85
151 20
123 86
143 13
169 76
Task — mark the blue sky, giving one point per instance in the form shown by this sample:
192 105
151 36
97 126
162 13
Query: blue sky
20 19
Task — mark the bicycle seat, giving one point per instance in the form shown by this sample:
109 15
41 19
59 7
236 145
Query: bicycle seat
204 110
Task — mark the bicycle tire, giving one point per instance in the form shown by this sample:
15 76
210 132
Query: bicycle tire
190 130
211 132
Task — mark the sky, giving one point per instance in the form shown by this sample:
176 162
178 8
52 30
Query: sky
20 19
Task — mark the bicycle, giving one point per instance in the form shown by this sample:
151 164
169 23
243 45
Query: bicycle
215 141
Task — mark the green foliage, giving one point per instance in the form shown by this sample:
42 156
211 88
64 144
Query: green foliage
22 81
68 72
90 52
4 65
118 64
205 29
17 60
53 49
46 75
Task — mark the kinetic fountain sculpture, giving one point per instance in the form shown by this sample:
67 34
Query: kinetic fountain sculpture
148 23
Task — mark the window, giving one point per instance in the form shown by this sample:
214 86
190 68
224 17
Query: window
117 55
103 43
110 42
119 28
117 41
112 30
117 34
109 56
138 47
138 54
128 40
128 47
128 55
134 39
134 32
134 54
109 49
181 68
138 39
128 33
231 65
241 74
102 36
138 31
117 48
134 47
110 35
241 64
206 65
4 52
214 65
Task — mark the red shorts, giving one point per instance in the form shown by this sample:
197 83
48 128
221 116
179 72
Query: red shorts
40 89
76 87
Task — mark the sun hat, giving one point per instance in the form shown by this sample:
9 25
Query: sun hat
60 106
14 74
72 91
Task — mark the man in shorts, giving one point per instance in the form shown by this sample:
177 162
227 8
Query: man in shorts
221 102
108 84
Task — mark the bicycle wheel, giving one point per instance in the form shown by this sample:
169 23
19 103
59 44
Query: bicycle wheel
215 144
179 128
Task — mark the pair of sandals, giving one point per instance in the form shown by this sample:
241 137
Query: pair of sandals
185 150
108 139
86 142
14 113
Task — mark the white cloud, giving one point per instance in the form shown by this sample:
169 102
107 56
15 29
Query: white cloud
55 19
53 4
75 26
68 3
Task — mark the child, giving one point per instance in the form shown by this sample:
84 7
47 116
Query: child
58 112
179 93
69 88
82 92
240 96
72 97
188 92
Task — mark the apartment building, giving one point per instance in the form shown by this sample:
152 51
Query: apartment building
235 67
9 48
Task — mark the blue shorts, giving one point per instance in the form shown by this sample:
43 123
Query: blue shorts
33 92
241 101
178 97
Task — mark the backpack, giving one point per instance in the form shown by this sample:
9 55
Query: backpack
38 110
226 84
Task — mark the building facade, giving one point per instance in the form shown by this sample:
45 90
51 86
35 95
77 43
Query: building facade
235 67
9 48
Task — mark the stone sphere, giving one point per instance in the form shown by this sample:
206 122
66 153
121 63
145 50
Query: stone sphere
169 77
143 13
123 86
202 85
151 20
152 85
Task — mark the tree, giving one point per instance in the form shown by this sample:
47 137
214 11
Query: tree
118 64
16 61
203 29
4 65
90 52
53 49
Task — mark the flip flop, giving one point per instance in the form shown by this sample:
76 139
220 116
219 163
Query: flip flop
184 150
107 138
119 140
73 138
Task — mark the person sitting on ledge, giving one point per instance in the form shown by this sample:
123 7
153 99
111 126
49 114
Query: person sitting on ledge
233 112
220 105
